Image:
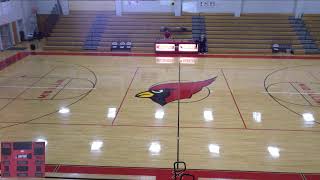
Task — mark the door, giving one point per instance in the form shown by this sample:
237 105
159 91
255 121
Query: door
6 38
15 32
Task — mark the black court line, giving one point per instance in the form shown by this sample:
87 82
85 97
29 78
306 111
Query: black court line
48 114
12 100
234 100
275 98
56 168
61 89
217 68
181 127
125 95
301 94
314 76
178 118
65 98
285 101
303 176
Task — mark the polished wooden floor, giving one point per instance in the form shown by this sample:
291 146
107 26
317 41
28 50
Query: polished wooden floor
257 115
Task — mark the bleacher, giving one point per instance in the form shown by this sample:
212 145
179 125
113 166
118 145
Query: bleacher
312 22
74 30
71 32
142 30
250 33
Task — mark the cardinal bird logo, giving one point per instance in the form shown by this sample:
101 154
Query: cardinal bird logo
169 92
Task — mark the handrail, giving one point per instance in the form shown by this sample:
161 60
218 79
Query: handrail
59 7
52 19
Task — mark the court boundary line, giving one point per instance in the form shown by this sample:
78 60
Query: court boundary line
234 100
182 127
295 57
124 97
165 173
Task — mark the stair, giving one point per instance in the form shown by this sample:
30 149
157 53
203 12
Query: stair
94 36
309 45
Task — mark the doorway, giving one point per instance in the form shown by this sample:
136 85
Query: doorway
6 37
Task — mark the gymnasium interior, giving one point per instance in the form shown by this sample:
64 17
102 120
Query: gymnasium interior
160 89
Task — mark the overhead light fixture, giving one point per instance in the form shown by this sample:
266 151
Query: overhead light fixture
112 112
159 114
155 148
308 117
96 145
208 115
64 110
256 116
214 148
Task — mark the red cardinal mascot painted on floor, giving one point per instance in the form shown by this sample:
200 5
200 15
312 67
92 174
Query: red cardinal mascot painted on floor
168 92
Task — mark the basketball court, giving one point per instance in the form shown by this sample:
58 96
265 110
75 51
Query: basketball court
236 113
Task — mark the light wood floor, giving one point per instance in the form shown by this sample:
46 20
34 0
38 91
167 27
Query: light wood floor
239 126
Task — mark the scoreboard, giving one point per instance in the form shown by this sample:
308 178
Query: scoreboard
23 159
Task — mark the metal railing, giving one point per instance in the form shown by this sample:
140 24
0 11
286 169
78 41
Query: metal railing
53 18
